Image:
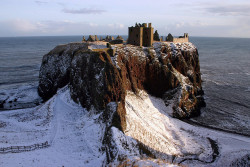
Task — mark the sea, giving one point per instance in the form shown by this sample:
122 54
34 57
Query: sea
224 64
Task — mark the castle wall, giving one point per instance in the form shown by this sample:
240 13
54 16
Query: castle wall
135 36
148 36
183 39
180 40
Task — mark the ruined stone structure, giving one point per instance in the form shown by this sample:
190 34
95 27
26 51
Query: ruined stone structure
109 38
96 38
161 39
170 38
119 37
156 36
118 40
141 35
181 39
83 39
91 38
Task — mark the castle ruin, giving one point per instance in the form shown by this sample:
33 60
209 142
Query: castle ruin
110 39
181 39
141 35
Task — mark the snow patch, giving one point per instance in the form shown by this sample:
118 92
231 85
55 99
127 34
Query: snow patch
115 61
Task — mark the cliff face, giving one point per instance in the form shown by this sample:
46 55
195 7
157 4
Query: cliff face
54 71
109 79
96 78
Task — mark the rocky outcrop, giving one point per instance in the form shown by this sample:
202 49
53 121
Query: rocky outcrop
54 71
167 70
98 77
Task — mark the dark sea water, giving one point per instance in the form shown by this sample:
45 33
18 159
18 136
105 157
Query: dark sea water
225 67
20 58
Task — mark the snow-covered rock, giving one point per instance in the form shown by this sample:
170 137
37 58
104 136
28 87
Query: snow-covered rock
131 99
97 78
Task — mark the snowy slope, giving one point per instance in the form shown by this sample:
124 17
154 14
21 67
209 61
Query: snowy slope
148 122
75 136
179 142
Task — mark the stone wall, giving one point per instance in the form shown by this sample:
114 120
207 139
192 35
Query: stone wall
141 35
148 36
135 35
180 40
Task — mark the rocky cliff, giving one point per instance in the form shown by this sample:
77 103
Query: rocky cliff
54 71
98 77
167 70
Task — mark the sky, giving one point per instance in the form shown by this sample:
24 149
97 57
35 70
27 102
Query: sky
208 18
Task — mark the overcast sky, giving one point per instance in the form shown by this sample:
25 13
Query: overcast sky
216 18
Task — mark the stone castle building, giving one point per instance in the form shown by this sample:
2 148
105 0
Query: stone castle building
141 35
110 39
181 39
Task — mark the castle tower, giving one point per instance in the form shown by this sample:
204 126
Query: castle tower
96 38
185 35
91 38
135 35
83 39
148 36
140 35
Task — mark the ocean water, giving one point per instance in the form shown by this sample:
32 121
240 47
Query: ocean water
224 62
20 58
225 68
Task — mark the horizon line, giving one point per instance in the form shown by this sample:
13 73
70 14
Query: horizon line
112 35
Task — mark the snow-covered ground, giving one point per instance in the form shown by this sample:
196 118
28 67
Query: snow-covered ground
149 122
75 136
